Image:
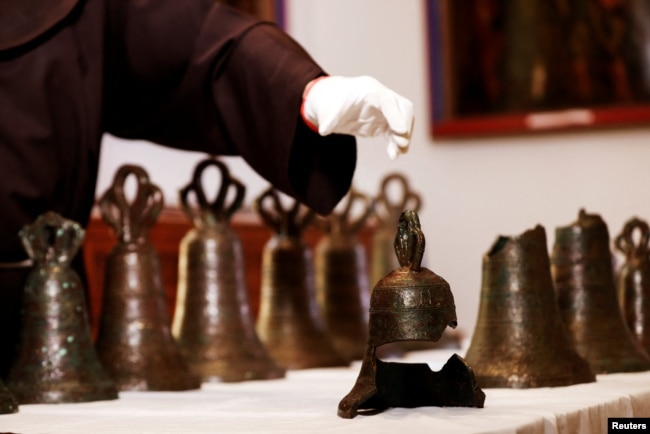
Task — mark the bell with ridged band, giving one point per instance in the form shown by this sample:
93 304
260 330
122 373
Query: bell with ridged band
135 343
633 279
289 322
583 273
212 321
342 278
411 303
56 360
519 340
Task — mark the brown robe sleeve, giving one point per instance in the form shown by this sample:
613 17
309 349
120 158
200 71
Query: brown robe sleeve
200 76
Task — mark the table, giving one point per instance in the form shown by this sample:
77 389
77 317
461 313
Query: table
307 400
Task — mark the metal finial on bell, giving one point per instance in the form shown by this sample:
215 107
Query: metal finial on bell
212 320
633 280
519 340
135 343
586 290
56 360
411 303
289 322
395 196
341 277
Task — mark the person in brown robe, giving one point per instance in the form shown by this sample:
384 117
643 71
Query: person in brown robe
189 74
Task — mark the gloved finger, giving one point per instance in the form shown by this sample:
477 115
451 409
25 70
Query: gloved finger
393 148
398 112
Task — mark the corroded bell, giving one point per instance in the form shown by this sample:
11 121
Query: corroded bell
341 277
633 280
519 340
212 320
8 403
135 343
586 293
289 322
56 360
411 303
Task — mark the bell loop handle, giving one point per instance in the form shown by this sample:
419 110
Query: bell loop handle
52 239
388 209
627 242
205 212
409 241
290 221
346 222
131 220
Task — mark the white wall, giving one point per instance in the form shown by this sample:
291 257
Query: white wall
474 190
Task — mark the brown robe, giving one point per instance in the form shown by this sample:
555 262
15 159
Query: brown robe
190 74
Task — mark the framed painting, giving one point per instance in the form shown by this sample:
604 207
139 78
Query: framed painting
515 66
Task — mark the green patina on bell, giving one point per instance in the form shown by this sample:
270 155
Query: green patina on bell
56 360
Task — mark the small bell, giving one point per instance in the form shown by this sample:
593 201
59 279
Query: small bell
583 272
519 340
56 360
212 320
289 322
633 282
135 343
341 277
411 303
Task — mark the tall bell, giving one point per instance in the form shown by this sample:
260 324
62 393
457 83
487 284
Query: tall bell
56 360
212 320
289 322
135 343
519 340
586 291
341 277
633 280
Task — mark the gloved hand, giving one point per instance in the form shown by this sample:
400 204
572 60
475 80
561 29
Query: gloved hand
359 106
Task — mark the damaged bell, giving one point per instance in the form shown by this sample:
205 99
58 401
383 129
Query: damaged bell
519 340
56 360
411 303
583 272
135 342
212 320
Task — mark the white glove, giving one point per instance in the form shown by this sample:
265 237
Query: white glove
359 106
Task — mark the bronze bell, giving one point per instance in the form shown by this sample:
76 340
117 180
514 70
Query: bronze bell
135 343
56 360
633 280
411 303
289 322
341 277
519 340
8 403
586 292
212 320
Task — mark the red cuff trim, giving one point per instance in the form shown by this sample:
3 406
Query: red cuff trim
310 125
311 84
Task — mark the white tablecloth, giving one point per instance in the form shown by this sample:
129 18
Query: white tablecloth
306 402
